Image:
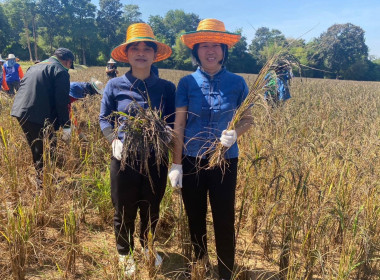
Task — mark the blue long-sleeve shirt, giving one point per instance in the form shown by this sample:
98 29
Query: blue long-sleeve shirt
121 92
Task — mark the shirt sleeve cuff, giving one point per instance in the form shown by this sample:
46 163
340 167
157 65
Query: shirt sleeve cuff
108 133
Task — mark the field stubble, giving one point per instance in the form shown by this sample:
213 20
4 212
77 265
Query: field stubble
308 195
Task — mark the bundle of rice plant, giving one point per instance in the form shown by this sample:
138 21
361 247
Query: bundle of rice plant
257 90
146 137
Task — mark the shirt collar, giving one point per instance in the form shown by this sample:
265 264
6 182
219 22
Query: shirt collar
216 75
150 81
55 58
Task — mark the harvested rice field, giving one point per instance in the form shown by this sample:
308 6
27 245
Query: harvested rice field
308 194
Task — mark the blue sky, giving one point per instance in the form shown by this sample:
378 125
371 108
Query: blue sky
294 18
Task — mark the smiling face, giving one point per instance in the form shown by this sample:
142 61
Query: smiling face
140 55
210 56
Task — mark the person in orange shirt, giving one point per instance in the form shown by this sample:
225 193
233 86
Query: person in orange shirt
13 74
3 83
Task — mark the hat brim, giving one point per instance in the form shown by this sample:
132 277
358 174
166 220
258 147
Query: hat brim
163 50
93 80
196 37
99 91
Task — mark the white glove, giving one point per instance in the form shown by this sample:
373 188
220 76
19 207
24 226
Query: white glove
66 134
228 138
175 175
117 148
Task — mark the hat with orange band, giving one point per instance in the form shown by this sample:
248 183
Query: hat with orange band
140 32
210 30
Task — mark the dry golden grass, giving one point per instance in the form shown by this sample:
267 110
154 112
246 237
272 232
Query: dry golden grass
308 203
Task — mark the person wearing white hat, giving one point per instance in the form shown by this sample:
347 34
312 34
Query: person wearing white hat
79 90
13 74
3 83
111 69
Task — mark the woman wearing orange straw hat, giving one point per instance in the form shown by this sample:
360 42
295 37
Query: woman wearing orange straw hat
131 190
205 103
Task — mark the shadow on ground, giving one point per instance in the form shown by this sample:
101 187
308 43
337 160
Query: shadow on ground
176 266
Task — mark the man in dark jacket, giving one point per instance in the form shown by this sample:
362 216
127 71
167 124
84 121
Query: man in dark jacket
42 100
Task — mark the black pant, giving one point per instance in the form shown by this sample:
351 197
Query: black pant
34 135
130 191
13 87
221 190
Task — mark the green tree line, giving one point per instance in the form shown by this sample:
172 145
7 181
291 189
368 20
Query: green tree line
32 29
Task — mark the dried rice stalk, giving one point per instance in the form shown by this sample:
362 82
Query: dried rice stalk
257 90
145 134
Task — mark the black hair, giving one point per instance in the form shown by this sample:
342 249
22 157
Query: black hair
195 58
148 43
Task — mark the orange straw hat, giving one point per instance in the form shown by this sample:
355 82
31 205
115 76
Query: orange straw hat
210 30
140 32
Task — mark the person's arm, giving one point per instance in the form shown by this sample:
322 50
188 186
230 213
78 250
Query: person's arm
229 137
4 83
61 98
179 130
182 103
175 173
20 73
170 104
246 120
244 123
107 106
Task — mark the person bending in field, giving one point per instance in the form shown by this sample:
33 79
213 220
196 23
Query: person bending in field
78 91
